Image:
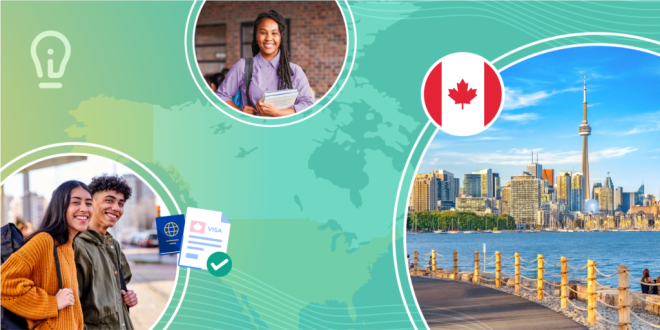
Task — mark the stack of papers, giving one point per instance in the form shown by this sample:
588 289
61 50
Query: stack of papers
282 99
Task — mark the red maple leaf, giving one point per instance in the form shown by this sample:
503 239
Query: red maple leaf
462 95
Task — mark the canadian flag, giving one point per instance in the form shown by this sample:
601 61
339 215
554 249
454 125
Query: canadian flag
463 94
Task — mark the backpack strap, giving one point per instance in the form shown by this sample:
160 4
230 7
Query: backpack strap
57 264
247 78
122 281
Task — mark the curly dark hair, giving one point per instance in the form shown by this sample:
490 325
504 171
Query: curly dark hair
110 182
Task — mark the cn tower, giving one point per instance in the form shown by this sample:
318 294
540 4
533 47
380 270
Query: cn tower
585 131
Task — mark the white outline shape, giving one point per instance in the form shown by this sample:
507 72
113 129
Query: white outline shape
570 35
183 293
504 68
35 57
499 77
396 205
348 75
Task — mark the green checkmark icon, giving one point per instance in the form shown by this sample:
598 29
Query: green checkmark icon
218 264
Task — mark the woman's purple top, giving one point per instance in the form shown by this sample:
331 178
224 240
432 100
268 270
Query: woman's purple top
264 79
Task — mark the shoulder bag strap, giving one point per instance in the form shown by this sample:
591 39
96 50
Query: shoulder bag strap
122 282
247 77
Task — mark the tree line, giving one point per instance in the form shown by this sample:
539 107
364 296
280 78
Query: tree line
453 220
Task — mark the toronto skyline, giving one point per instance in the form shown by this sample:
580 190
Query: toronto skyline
544 104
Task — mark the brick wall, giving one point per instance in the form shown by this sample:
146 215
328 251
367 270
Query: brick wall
317 34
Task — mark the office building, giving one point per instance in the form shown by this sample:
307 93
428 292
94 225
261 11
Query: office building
496 185
577 193
486 182
595 190
549 174
525 199
472 185
618 199
477 205
447 191
543 219
629 200
649 200
446 206
564 188
424 196
606 199
535 169
506 200
608 182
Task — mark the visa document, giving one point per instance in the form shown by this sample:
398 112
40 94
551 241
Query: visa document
282 99
205 233
170 232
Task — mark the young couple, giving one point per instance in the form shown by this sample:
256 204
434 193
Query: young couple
91 263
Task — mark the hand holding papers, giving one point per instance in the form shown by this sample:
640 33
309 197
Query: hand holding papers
282 99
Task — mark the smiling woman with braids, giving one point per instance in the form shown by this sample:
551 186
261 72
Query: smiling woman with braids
271 71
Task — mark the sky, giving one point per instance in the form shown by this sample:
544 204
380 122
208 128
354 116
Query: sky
543 110
44 181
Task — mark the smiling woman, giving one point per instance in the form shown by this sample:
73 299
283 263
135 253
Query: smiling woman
283 49
31 287
268 70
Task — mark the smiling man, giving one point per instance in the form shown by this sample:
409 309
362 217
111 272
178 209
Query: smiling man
103 270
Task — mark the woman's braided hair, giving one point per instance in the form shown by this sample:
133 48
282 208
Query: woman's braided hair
284 71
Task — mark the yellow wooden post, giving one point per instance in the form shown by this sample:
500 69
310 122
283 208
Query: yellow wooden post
415 262
455 265
564 282
433 261
539 277
591 291
624 299
517 272
498 268
475 279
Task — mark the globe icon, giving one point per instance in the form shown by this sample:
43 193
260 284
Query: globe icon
171 229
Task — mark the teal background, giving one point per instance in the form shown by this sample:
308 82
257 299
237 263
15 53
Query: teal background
312 204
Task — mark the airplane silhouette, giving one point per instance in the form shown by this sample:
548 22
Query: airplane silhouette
221 128
244 152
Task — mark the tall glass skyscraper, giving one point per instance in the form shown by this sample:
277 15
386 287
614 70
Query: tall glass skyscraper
564 188
486 182
472 185
577 193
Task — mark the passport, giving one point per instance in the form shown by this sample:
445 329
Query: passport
170 233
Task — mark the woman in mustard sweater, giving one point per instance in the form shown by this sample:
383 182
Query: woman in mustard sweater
29 284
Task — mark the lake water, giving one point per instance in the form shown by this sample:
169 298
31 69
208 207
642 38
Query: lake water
636 250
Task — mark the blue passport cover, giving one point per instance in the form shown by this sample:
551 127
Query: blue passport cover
170 233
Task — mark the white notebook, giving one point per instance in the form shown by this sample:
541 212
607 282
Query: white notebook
282 99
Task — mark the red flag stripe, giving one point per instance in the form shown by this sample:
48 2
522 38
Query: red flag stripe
433 86
492 94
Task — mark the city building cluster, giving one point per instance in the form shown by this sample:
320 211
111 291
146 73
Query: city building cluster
540 197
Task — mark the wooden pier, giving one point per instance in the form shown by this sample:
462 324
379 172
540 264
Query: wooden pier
448 304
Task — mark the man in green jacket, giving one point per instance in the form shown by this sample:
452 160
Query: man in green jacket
104 303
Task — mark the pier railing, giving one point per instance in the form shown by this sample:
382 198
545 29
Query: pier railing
571 286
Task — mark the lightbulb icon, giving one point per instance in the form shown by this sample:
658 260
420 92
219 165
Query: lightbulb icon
50 67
